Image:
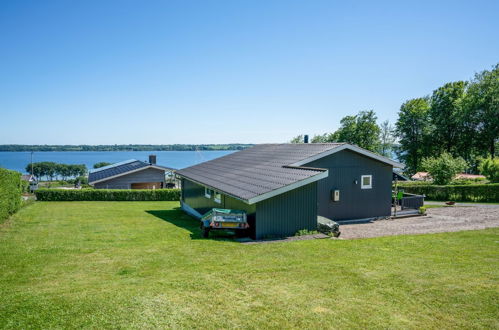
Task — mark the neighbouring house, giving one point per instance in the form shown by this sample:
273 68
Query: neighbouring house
399 176
425 176
32 181
284 187
130 174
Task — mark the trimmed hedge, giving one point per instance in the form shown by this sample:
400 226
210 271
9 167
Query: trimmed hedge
10 193
462 193
107 194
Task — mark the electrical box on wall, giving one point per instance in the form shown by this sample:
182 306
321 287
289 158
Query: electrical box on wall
335 195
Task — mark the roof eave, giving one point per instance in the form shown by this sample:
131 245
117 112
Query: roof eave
269 194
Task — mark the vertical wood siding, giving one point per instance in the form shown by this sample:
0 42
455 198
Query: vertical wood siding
285 214
355 203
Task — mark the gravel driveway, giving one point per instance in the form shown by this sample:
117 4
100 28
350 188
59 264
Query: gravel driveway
438 220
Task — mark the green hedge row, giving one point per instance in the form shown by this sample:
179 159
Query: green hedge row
462 193
10 193
107 195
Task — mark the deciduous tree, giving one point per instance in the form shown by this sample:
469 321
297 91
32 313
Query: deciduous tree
412 129
443 168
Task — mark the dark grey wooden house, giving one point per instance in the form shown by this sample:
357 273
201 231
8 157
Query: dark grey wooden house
284 187
130 174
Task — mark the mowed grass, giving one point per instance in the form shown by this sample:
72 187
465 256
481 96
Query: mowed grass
144 265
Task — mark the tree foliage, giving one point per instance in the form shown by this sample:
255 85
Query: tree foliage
50 170
125 147
297 139
443 168
447 117
482 111
460 118
412 130
387 139
101 164
361 130
490 168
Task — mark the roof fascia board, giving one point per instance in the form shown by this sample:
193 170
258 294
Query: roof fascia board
352 148
125 173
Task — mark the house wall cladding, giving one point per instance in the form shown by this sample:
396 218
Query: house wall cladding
193 195
355 203
125 181
282 215
285 214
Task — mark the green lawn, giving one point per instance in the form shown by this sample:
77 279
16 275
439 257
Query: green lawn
143 264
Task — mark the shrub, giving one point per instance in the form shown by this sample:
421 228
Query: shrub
10 193
443 168
463 193
24 186
468 181
490 168
107 195
304 232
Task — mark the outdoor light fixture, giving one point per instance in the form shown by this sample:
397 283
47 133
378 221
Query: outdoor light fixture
355 182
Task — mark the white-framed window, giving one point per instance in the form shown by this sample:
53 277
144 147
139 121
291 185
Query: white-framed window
366 182
208 192
218 197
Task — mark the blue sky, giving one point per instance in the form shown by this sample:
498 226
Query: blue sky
116 72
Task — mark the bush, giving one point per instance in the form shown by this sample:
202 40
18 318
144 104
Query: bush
83 180
490 168
461 182
462 193
24 186
443 168
107 194
10 193
304 232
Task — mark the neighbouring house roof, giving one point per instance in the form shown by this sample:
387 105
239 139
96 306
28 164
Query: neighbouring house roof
400 176
427 176
119 169
28 177
267 170
420 176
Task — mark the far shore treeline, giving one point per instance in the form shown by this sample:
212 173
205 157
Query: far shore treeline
125 147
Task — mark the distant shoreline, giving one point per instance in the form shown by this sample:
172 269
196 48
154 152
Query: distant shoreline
123 147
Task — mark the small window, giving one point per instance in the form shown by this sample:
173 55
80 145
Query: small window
366 182
208 192
218 197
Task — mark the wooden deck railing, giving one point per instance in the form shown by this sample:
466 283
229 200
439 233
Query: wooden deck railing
411 201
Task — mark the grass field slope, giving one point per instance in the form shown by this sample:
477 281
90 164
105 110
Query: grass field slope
145 265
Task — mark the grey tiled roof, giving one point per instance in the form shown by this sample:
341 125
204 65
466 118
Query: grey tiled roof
115 169
258 170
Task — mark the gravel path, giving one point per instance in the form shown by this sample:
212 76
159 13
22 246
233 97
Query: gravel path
438 220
